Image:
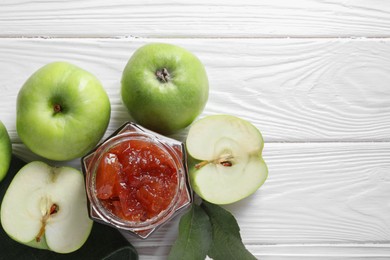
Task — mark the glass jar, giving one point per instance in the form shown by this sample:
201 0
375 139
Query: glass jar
140 208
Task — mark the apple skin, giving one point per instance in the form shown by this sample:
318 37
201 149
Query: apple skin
164 107
5 151
78 126
225 158
31 194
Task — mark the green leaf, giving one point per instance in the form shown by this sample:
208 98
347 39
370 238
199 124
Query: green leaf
227 243
194 236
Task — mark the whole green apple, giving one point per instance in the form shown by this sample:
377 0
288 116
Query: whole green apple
5 151
62 111
164 87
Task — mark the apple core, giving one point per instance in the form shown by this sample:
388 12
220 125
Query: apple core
51 211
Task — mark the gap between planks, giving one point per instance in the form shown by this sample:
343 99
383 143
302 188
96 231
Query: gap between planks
127 37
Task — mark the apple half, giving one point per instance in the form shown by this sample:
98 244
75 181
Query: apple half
46 207
227 158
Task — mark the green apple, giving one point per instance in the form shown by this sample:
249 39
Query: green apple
164 87
46 207
62 111
5 151
227 158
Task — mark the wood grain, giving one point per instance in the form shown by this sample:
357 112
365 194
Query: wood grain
321 201
322 252
299 252
249 18
312 75
316 193
293 90
324 193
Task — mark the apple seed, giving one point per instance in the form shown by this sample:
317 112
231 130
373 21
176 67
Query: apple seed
226 163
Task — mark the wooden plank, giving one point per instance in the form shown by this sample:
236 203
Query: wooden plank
322 252
293 90
221 18
316 193
299 252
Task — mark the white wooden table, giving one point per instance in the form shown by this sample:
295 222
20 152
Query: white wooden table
312 75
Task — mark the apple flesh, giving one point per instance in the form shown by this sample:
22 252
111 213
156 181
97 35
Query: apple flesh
62 111
5 151
46 207
227 158
164 87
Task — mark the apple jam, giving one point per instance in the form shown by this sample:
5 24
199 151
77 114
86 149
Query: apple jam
137 180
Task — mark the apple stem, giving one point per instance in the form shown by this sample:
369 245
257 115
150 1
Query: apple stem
163 75
57 108
225 160
201 164
53 209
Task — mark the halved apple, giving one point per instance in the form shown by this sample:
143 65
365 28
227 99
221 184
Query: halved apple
227 158
46 207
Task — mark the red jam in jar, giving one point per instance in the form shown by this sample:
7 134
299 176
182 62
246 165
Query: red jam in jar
136 180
